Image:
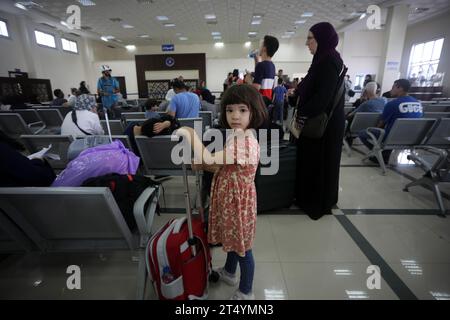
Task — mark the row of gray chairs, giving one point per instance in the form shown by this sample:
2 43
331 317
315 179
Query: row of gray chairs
436 107
206 117
410 134
31 121
364 120
60 146
67 220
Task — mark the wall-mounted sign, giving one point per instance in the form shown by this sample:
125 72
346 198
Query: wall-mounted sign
168 47
392 65
170 62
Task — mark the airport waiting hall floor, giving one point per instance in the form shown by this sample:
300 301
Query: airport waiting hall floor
375 223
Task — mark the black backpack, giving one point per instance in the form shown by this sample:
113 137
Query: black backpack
126 189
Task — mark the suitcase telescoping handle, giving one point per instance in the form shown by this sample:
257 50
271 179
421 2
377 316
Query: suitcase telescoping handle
187 199
107 124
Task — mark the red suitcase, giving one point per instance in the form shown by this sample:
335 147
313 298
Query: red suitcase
178 257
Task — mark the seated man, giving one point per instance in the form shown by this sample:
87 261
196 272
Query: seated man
72 98
372 104
151 107
59 98
164 125
184 104
403 106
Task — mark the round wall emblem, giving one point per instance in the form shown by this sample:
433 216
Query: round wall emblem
170 62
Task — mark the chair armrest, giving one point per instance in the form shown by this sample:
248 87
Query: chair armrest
38 123
376 141
434 167
144 220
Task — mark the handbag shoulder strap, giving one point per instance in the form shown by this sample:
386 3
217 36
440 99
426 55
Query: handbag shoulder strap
339 90
75 120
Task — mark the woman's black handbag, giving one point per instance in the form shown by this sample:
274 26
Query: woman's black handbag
315 127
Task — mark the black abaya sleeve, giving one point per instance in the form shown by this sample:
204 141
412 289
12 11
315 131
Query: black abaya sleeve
324 88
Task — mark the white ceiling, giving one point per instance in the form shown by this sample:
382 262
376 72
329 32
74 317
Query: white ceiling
233 17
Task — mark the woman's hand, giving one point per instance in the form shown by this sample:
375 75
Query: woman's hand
160 126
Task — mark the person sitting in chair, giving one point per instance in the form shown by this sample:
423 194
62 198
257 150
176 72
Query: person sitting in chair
404 106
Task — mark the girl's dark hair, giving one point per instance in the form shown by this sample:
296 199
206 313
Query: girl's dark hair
249 96
11 142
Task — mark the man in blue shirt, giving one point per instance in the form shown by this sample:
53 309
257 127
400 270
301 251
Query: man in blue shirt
279 96
403 106
373 104
184 104
108 88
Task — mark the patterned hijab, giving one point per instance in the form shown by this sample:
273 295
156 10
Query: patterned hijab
85 102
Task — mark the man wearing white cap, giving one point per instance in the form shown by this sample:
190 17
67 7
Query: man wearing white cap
107 88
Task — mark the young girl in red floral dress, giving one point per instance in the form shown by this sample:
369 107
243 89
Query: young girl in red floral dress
232 217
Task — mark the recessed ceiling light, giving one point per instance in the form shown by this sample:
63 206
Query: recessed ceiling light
257 16
307 14
219 44
130 47
169 25
162 18
127 26
86 3
252 33
217 38
183 38
143 36
254 22
210 16
300 21
20 6
215 33
286 36
107 38
290 32
248 44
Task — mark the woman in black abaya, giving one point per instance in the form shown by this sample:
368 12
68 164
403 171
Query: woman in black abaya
318 160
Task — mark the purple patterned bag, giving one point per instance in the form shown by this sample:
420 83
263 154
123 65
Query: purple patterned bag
96 162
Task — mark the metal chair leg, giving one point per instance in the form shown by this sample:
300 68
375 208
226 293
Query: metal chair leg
438 196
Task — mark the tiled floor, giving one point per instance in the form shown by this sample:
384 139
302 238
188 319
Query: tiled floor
296 258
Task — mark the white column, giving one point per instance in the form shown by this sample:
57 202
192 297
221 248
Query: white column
396 25
27 47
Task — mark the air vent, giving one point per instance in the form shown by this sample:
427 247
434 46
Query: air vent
115 19
145 1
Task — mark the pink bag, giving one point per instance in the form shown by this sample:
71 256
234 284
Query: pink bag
96 162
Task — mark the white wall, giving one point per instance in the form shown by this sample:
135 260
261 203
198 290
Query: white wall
11 49
292 57
64 69
432 29
362 52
